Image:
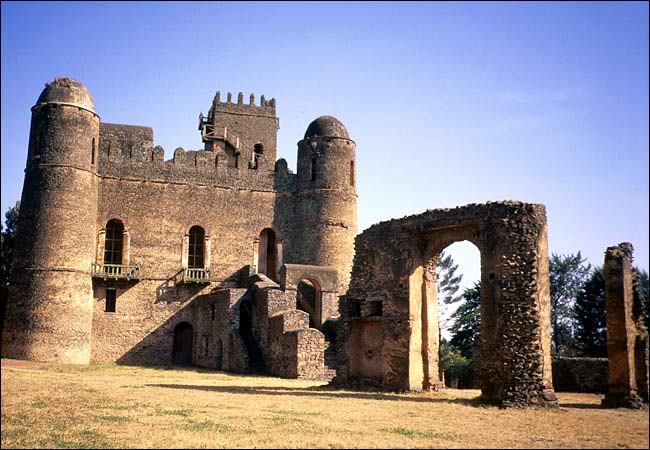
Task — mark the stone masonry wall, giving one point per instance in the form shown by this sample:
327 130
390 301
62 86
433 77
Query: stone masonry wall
627 338
290 348
393 264
580 375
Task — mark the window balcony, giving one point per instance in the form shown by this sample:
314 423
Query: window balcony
116 271
196 276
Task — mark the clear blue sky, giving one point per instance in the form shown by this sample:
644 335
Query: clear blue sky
449 103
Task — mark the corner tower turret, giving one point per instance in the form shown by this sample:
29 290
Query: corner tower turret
49 309
327 198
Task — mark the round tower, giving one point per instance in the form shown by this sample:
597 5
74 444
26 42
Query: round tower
327 198
49 309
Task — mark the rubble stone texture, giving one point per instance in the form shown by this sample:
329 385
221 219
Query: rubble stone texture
389 331
627 338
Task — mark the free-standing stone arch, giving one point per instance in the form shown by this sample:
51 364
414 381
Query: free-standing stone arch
387 332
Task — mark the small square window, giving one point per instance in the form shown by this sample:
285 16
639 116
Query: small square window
111 299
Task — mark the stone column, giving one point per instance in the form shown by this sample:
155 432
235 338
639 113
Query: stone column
621 328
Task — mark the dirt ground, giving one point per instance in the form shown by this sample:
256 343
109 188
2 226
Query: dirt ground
110 406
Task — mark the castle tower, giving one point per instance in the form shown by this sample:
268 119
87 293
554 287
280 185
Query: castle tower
49 309
245 132
327 198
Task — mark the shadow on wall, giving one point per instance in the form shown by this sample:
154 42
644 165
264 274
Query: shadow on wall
173 290
159 346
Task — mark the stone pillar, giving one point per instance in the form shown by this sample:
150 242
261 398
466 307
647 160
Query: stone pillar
621 328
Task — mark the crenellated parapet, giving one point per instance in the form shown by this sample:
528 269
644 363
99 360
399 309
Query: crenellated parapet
246 132
127 152
264 108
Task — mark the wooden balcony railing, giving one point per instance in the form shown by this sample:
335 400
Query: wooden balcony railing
116 271
196 275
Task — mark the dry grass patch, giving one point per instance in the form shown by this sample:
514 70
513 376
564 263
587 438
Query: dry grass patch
108 406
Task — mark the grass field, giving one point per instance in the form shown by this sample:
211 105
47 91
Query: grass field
108 406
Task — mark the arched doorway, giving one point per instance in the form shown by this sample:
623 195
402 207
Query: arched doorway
267 254
183 344
458 270
308 299
435 294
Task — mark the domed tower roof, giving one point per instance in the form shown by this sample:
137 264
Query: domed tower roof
67 91
327 126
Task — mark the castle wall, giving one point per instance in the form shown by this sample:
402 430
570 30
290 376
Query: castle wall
157 216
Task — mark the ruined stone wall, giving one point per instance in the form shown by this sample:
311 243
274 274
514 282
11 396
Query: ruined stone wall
627 338
395 266
580 374
289 347
220 345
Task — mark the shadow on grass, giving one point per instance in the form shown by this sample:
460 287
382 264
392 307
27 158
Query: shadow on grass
581 406
320 391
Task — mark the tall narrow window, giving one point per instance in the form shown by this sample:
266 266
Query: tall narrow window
313 169
92 154
114 242
351 173
195 251
111 300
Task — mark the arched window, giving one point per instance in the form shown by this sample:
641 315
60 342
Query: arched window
195 258
92 153
351 173
113 246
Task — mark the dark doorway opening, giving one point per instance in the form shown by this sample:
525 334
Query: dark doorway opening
308 300
255 357
183 344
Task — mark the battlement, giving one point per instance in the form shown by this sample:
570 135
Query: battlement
265 107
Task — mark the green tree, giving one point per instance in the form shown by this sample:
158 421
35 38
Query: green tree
7 238
459 370
590 317
459 355
567 274
467 322
448 280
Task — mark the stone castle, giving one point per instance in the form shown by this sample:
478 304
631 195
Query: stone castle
123 256
225 258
